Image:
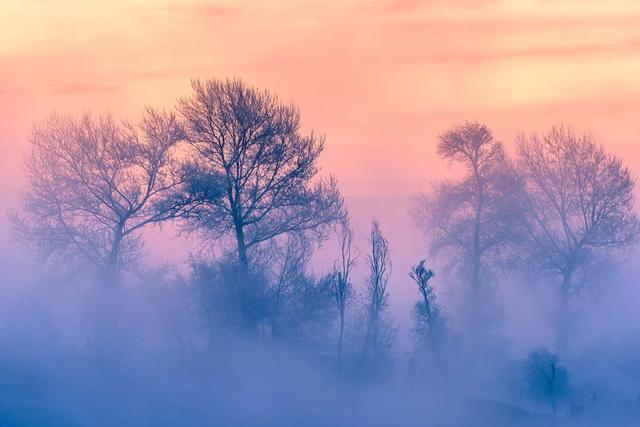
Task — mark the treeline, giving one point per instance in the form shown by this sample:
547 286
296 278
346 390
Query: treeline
230 166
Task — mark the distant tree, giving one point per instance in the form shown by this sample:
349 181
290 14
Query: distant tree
232 302
429 318
288 263
307 313
379 263
251 144
578 204
341 286
545 378
94 183
276 298
472 220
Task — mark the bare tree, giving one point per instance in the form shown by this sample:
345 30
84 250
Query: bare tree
579 206
341 286
379 263
266 166
472 220
94 183
290 259
429 317
300 306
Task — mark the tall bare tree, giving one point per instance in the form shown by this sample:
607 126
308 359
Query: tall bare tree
470 221
93 183
341 285
379 262
268 169
579 204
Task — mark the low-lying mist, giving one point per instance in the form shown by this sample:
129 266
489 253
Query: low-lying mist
166 366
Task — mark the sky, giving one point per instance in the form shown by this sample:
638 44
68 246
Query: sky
380 78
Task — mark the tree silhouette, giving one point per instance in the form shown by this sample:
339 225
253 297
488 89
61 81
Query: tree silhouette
578 207
341 286
379 263
430 322
472 220
251 144
94 183
546 379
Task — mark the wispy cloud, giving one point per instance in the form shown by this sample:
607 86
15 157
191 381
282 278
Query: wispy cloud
543 51
409 6
83 87
200 9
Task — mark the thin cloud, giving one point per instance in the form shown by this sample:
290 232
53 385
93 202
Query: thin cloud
406 6
628 46
75 87
199 9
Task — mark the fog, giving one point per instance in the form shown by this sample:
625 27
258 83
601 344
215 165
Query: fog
162 373
197 267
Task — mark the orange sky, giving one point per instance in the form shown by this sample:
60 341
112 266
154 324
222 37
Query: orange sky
381 78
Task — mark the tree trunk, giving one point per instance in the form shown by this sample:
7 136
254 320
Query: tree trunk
374 341
562 332
106 301
475 268
275 316
242 246
370 343
340 337
248 288
475 281
112 267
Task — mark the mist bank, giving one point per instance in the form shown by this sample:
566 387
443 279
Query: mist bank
168 367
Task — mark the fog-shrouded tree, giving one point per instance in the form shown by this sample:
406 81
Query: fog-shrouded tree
300 305
288 261
579 206
252 147
429 319
307 313
226 307
470 221
341 285
278 298
545 378
93 183
379 263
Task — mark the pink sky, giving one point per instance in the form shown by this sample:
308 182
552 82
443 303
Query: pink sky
379 78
